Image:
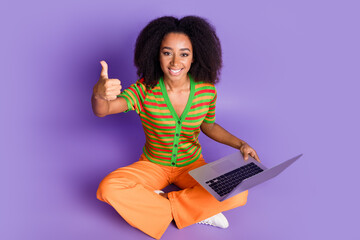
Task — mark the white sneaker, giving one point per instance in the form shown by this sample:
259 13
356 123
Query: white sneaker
158 191
218 220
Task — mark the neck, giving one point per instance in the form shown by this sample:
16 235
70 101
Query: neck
178 85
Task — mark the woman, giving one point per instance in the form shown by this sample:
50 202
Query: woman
178 61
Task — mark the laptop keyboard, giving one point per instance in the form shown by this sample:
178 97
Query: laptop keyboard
225 183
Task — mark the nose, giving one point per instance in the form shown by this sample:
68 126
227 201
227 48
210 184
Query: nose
175 60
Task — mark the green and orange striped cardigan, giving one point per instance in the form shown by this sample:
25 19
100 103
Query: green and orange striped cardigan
170 140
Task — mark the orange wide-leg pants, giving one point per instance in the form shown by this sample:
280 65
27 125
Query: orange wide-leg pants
130 190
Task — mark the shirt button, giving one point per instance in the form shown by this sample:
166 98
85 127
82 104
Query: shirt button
174 155
179 122
177 134
173 163
175 145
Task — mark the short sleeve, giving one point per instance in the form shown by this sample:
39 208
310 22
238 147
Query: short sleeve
210 116
134 96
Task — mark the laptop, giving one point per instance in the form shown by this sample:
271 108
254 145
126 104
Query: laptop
232 175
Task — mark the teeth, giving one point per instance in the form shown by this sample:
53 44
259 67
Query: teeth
175 71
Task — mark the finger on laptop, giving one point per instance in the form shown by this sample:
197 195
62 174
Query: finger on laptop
254 155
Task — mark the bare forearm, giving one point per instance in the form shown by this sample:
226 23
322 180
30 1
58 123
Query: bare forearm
219 134
100 106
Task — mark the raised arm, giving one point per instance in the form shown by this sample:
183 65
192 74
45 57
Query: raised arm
104 99
219 134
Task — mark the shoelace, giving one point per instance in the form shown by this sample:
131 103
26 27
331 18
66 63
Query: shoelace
206 221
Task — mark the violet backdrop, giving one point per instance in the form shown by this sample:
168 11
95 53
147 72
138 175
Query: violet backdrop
289 85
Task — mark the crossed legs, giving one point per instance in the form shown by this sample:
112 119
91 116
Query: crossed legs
130 190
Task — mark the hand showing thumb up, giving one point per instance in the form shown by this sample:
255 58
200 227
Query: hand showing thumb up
106 88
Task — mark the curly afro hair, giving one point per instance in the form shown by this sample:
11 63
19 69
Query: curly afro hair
206 48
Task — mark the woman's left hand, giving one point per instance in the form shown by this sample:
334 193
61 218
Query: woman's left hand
246 150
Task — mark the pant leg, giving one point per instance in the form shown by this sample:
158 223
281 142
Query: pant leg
130 190
194 203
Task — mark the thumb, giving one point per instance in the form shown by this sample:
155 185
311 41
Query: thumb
104 70
246 156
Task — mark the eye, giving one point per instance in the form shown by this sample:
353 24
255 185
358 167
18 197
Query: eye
184 54
167 53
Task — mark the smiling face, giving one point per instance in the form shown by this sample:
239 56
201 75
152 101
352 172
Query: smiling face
176 56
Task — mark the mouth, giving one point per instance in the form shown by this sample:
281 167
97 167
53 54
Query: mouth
175 72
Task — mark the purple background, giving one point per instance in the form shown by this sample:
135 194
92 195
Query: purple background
289 85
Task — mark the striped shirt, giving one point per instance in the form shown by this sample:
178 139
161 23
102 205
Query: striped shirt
171 140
